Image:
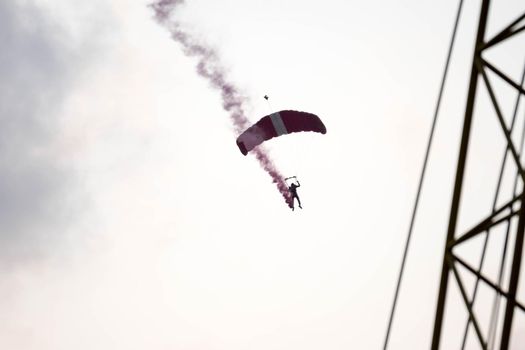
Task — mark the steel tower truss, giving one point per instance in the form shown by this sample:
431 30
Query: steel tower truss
503 214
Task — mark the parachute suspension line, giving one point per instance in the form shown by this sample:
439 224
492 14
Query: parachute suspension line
422 175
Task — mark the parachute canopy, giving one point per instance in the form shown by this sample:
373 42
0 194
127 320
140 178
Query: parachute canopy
277 124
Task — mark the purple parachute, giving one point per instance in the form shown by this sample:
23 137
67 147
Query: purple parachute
277 124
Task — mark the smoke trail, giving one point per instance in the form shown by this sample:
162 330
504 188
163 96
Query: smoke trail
209 67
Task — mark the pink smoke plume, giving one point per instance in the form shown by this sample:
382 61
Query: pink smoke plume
209 67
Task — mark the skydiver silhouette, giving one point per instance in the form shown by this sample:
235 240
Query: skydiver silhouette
293 191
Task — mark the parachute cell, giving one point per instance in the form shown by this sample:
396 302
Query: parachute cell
277 124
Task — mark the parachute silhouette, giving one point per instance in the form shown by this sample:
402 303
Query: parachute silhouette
277 124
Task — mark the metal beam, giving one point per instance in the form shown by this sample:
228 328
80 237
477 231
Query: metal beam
503 76
469 111
514 278
485 279
467 303
506 132
484 226
492 326
505 33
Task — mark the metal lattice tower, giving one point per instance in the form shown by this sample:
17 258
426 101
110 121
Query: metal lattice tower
510 214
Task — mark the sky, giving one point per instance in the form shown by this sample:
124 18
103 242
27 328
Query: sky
130 220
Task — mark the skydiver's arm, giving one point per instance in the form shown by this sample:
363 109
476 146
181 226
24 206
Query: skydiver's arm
298 184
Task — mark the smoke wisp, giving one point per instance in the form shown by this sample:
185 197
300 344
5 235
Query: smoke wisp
209 67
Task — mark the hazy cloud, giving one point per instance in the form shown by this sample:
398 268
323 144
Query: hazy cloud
38 71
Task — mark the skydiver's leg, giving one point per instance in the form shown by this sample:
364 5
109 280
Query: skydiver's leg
298 201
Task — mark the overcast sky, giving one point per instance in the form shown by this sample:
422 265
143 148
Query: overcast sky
130 220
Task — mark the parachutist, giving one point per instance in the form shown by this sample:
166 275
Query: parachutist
293 191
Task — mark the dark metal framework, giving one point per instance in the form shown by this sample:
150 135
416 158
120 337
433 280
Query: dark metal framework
501 215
